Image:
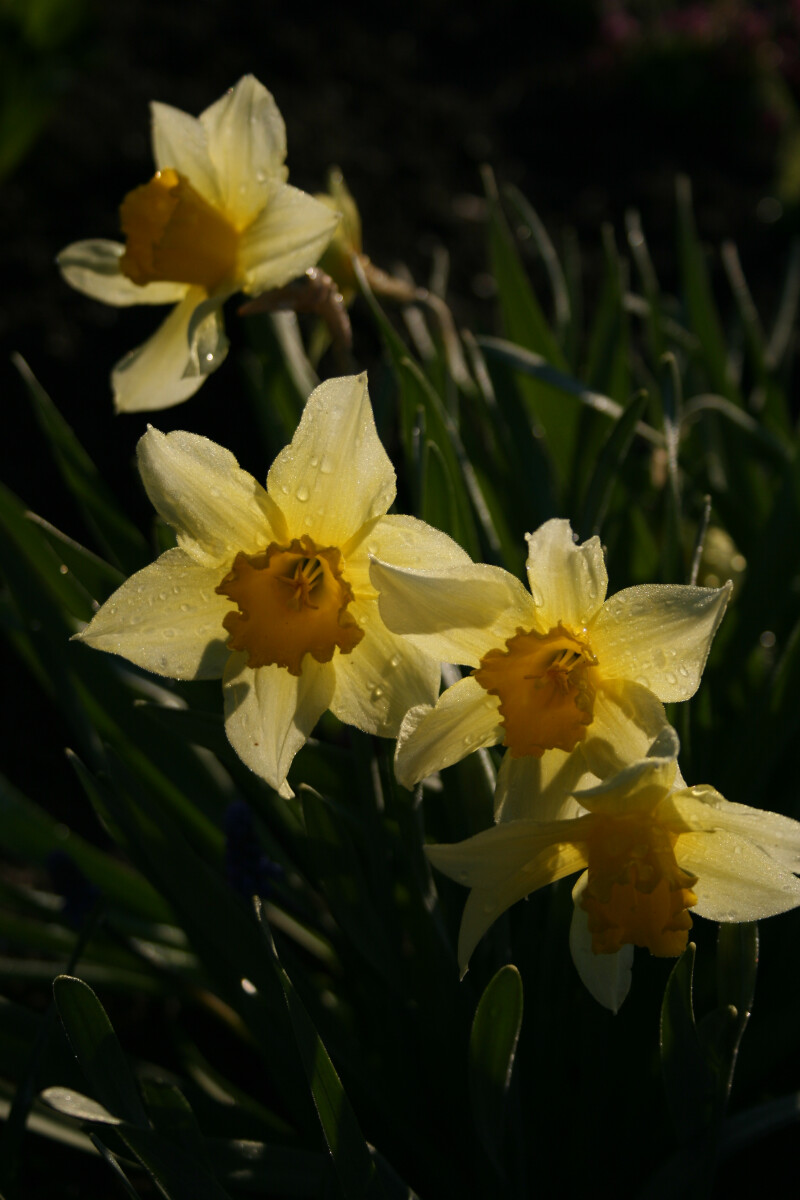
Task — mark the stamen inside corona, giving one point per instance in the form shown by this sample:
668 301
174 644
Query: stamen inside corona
174 235
636 893
544 681
292 601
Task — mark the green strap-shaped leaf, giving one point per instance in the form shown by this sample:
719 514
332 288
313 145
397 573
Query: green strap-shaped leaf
81 1108
609 461
444 497
97 1049
175 1153
529 363
120 540
180 1173
687 1080
349 1150
26 536
607 369
492 1049
699 300
737 966
30 833
98 577
116 1170
336 866
522 312
650 286
525 324
769 395
562 308
670 394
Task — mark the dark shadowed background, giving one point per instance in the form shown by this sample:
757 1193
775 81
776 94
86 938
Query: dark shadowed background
588 107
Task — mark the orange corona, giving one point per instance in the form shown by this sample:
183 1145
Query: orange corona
546 690
636 893
292 601
173 234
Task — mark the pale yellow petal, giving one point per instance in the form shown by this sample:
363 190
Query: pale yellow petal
456 614
533 850
334 476
269 713
402 541
735 880
167 619
215 508
180 142
641 786
502 865
92 267
284 240
540 789
606 976
465 719
382 678
568 583
247 146
170 367
703 808
626 719
659 635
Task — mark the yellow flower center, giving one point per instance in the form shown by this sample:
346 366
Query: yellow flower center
292 601
636 893
174 235
544 681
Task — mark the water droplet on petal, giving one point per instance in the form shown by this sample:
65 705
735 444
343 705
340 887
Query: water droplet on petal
326 466
302 493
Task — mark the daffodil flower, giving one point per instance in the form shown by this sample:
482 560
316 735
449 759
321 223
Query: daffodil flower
217 217
270 589
551 666
648 855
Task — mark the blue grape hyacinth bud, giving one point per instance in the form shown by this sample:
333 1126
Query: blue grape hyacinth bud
248 869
